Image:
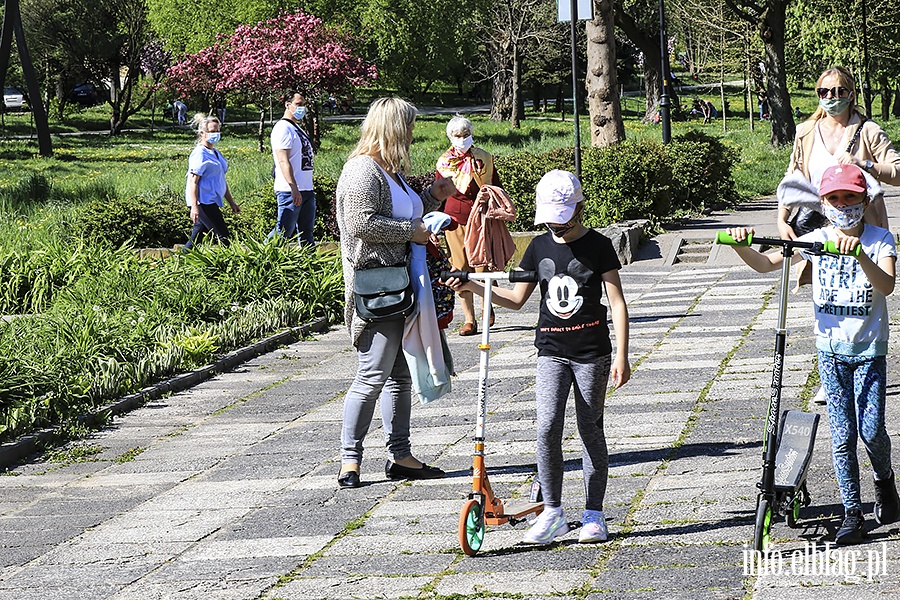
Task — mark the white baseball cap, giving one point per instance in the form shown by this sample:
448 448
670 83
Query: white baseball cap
557 194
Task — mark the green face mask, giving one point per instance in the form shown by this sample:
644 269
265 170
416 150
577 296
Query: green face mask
834 106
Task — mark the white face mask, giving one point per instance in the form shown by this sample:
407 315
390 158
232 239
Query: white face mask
463 144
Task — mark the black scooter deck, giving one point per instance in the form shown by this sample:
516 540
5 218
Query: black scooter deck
796 438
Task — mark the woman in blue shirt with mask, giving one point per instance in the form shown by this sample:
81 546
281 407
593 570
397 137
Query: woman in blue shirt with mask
206 186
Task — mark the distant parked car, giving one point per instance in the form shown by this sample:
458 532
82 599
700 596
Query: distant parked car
84 94
13 98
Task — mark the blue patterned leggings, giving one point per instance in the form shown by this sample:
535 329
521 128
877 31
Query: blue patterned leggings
855 389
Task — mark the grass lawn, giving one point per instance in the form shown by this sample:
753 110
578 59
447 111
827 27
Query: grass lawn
138 162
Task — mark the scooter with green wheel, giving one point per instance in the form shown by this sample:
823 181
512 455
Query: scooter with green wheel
790 436
483 507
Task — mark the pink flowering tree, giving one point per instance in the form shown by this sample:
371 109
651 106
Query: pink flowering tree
197 74
291 51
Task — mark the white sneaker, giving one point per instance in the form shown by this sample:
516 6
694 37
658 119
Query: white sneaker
549 525
820 396
593 529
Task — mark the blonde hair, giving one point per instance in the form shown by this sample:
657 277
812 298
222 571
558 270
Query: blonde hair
201 122
845 80
386 132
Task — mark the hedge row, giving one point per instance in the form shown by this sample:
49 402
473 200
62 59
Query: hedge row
632 180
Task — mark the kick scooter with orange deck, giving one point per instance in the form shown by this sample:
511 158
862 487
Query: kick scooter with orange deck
788 442
483 507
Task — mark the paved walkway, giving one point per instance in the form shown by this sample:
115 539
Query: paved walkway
228 490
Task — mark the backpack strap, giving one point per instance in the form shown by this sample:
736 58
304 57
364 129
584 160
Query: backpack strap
855 138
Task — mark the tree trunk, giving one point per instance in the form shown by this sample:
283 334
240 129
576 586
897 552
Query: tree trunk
896 109
771 30
518 106
602 83
261 128
501 95
649 45
886 94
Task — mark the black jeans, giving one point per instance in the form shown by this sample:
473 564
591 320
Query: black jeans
211 219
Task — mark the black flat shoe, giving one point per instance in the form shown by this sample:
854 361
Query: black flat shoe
395 471
350 479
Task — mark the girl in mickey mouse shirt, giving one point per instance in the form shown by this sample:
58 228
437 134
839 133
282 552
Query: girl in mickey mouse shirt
574 264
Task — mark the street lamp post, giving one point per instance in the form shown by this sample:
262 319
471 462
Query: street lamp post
573 21
664 102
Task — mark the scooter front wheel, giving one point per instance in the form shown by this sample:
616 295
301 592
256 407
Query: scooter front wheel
763 526
792 515
471 527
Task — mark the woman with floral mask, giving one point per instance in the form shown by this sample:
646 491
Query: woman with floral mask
206 186
837 133
469 168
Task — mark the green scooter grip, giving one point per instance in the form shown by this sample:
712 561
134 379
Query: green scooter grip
724 238
830 246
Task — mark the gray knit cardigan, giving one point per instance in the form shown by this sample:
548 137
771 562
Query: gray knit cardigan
370 236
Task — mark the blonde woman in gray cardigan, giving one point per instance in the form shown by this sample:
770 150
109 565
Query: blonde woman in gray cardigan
378 216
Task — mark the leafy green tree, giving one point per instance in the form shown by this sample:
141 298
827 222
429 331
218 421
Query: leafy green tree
190 25
98 42
836 37
769 17
417 43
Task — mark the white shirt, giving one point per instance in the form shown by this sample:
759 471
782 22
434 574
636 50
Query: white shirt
285 136
851 315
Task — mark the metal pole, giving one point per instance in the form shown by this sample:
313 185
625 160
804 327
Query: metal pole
574 5
664 67
867 90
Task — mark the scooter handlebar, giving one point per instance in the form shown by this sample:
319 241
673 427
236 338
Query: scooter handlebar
828 247
511 276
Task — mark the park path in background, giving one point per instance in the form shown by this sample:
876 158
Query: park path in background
228 490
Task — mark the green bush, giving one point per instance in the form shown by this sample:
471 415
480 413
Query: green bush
519 175
149 220
701 171
630 180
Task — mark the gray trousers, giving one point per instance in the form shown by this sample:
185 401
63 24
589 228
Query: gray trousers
383 373
554 379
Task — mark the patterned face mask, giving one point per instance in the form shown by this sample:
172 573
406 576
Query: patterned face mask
846 217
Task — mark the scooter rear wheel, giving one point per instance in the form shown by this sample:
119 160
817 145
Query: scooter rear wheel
471 527
763 526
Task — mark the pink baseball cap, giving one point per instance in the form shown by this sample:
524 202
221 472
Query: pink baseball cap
557 194
842 177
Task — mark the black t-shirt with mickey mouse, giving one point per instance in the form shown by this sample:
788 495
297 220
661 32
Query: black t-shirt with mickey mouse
572 322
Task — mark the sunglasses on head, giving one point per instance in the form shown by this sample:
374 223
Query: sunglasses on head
836 92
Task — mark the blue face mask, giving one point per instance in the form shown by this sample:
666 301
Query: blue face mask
300 113
213 137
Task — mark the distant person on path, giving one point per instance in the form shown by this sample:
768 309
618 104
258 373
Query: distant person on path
206 186
762 100
574 265
220 109
469 168
851 337
378 216
292 152
180 112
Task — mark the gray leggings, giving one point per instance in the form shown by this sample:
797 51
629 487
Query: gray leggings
383 373
555 376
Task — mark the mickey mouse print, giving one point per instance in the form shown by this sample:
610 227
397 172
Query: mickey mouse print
572 321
